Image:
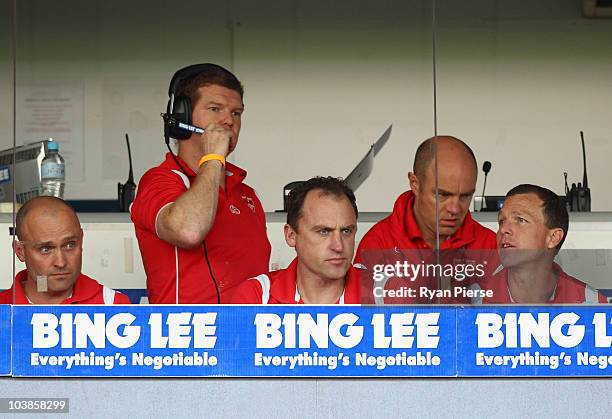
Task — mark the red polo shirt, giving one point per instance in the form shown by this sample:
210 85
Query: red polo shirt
237 246
280 287
85 291
569 290
397 238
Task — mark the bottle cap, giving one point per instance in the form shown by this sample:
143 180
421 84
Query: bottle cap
52 146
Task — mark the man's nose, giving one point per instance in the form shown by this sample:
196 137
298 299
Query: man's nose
505 229
453 207
60 259
227 119
336 242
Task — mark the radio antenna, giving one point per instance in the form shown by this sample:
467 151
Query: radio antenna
585 181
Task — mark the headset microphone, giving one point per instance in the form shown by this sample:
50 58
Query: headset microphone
173 122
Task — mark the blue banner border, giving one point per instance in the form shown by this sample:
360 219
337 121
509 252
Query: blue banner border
458 343
6 340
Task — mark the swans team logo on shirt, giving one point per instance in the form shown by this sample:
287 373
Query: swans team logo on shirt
250 202
234 209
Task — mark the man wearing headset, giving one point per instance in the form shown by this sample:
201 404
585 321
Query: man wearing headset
200 229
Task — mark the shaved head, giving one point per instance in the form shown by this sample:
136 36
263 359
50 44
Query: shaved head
442 198
47 205
444 144
51 246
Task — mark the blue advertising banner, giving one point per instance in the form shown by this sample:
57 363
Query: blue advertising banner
535 341
5 339
235 341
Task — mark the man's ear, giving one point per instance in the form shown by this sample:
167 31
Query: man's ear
414 183
290 235
19 250
555 235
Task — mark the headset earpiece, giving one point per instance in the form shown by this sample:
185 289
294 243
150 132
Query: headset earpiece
181 110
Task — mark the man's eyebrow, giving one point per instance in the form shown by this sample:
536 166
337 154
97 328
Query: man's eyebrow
50 242
321 226
69 238
445 192
522 213
40 244
215 103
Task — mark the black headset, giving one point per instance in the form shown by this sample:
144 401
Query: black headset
179 106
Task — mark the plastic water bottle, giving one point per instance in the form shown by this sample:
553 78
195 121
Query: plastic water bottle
52 172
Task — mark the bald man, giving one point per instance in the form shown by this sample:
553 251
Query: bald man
417 226
50 243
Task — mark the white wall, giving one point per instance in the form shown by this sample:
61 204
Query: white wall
517 80
6 77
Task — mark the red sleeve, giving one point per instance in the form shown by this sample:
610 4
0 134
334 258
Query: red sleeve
602 298
249 292
121 298
6 297
157 188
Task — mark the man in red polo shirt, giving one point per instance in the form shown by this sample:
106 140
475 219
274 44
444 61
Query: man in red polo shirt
200 229
321 226
422 221
533 224
51 246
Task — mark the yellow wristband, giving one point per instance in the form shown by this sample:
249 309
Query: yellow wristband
209 157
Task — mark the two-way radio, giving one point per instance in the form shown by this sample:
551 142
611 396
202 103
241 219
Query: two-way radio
127 191
578 197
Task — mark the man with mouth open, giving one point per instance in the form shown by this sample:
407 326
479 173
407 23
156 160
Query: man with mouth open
321 226
50 243
424 219
533 224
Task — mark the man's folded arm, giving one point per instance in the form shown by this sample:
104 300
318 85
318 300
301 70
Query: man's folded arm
186 222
